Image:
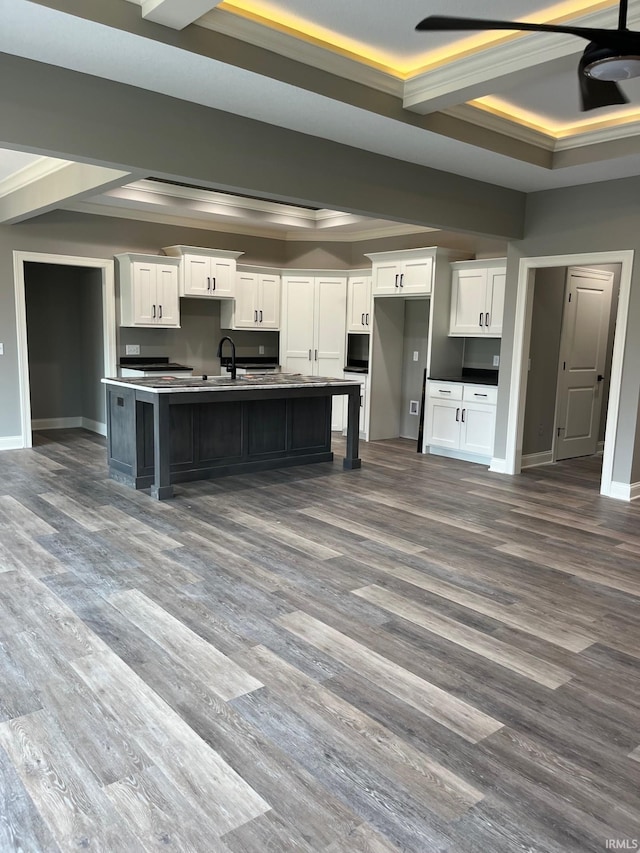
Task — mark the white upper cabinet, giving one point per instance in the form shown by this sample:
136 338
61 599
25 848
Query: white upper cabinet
477 298
148 290
359 308
256 304
403 273
205 273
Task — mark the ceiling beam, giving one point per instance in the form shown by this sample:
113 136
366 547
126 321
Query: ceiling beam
176 14
46 186
485 71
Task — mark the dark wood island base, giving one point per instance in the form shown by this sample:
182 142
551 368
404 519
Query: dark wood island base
167 430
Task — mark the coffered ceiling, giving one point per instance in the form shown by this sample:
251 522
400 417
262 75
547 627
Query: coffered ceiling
500 106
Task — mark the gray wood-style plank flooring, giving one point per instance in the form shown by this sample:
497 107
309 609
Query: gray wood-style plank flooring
417 656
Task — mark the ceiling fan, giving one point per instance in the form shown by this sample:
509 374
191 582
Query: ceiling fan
610 56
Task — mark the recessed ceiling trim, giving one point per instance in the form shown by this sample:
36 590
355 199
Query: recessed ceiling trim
293 47
30 174
503 124
469 77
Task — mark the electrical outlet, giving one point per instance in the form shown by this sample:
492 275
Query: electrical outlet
413 407
416 355
132 349
1 349
496 361
260 350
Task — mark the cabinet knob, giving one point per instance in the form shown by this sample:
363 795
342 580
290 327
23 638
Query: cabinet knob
159 312
255 316
486 319
457 414
463 411
208 282
261 316
213 280
396 279
480 320
363 319
401 279
154 311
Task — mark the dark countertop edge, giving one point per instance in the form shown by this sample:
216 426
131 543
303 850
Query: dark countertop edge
268 383
489 377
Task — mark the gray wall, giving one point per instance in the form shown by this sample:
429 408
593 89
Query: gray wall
592 218
546 326
416 329
479 352
65 341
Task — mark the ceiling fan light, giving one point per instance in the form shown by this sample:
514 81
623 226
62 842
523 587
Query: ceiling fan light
614 68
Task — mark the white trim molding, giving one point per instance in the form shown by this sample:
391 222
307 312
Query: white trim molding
498 466
522 340
108 322
70 423
624 491
11 442
531 460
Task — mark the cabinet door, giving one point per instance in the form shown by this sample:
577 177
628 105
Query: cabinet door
197 275
468 302
269 302
416 277
477 428
246 304
359 304
298 324
223 273
145 308
495 301
386 278
168 310
443 423
330 326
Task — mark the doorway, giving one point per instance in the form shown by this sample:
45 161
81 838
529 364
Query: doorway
522 337
569 362
30 273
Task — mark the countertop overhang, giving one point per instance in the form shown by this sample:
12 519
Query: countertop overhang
178 384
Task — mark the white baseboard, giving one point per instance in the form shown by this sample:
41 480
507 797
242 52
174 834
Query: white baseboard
70 423
624 491
56 423
533 459
94 426
11 442
498 466
457 454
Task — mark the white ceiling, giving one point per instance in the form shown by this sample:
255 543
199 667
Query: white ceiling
519 87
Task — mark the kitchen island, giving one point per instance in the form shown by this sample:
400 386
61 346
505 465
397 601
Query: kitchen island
165 430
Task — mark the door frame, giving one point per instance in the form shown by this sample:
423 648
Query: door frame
554 438
522 341
108 321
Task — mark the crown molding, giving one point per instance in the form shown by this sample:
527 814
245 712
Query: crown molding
598 135
30 174
298 49
434 89
500 124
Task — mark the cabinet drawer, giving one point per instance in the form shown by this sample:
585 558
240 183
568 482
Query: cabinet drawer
480 394
445 390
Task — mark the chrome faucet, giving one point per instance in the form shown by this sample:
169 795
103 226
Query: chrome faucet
233 354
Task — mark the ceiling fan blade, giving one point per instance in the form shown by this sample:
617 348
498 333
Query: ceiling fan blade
626 40
598 93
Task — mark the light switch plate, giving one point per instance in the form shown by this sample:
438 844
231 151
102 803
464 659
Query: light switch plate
1 349
132 349
416 355
260 350
496 361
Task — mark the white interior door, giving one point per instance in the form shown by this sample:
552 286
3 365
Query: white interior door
583 349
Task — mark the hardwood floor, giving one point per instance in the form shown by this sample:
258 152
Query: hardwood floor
419 655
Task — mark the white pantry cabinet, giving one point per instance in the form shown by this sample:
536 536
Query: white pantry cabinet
256 304
460 420
313 330
359 307
477 298
148 291
403 273
205 273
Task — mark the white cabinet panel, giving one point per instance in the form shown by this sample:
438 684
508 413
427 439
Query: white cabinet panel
416 277
476 428
298 325
246 301
403 273
197 276
477 299
205 273
443 423
269 302
359 311
167 295
148 291
256 304
463 423
495 301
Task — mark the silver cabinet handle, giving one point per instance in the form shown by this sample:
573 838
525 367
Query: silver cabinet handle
401 279
463 411
255 316
486 319
159 312
480 321
316 352
396 279
154 311
261 316
457 415
208 282
213 281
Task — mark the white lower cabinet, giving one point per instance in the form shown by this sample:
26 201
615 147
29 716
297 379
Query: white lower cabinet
460 420
363 379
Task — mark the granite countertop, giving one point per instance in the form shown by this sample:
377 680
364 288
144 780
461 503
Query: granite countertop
173 384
